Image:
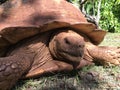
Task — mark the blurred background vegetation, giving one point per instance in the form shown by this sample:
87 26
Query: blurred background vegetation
105 13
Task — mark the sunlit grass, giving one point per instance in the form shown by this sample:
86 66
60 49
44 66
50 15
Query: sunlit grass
112 39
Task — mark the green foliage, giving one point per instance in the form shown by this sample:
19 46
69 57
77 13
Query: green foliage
116 11
110 15
109 11
75 2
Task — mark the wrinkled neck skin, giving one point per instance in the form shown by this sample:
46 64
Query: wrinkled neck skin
68 46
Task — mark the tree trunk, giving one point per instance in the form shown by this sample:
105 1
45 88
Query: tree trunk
98 12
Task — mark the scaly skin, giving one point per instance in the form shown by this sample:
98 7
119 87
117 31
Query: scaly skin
19 61
104 54
32 57
13 67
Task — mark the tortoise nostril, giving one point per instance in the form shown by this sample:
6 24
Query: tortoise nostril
73 42
67 41
81 46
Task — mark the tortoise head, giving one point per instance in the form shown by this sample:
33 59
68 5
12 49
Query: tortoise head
67 45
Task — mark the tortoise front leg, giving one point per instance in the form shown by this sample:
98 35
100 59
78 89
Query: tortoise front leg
12 68
104 54
50 67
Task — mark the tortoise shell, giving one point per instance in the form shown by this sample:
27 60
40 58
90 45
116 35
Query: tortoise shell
20 19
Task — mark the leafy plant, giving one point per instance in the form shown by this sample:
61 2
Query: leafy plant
110 15
109 12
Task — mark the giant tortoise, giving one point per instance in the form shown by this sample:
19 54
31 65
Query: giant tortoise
39 37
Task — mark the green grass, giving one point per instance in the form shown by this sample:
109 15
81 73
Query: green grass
88 78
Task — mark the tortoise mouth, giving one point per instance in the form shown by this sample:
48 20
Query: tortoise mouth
75 53
71 55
